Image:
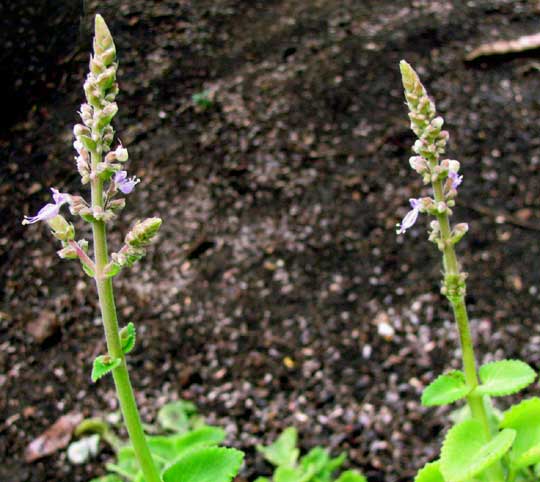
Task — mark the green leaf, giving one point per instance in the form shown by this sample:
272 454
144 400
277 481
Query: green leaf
466 452
463 413
112 269
336 462
209 464
175 416
316 459
88 142
262 479
103 364
128 337
445 389
291 474
283 451
204 436
524 418
351 476
126 465
431 472
504 377
88 270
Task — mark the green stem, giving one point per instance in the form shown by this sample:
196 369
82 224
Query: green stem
459 307
120 374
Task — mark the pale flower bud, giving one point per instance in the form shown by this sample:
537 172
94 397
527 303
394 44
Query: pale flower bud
68 252
121 153
81 130
419 164
453 166
458 232
438 122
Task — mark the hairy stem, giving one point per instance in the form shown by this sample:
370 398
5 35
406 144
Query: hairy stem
459 307
120 374
82 255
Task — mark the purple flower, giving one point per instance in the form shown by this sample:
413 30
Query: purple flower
124 183
411 217
456 179
50 210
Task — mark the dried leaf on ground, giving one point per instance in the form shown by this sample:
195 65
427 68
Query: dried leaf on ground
56 437
500 47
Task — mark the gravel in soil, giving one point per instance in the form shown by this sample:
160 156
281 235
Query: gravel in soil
278 294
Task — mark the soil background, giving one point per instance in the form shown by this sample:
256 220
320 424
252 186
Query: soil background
278 293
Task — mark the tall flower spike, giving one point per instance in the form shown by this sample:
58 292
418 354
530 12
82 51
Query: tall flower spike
444 179
422 113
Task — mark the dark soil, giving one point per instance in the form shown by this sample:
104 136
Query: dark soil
278 268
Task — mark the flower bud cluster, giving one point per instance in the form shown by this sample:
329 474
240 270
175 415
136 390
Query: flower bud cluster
95 135
429 146
136 241
97 164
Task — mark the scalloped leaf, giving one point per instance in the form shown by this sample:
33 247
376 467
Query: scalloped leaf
504 377
210 464
283 451
466 452
524 418
445 389
128 337
351 476
103 364
203 436
431 472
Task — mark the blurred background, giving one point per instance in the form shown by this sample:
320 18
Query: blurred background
272 138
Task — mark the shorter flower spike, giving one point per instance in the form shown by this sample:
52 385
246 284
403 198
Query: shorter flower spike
142 233
50 210
411 217
124 183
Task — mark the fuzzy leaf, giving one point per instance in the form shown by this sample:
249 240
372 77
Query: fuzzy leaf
445 389
210 464
262 479
351 476
103 364
466 452
504 377
128 337
431 472
283 451
524 418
